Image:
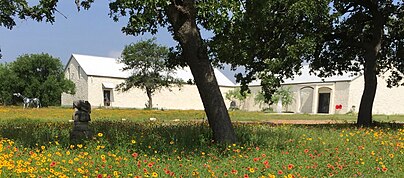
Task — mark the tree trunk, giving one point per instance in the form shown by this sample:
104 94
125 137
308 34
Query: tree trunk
370 72
369 92
149 95
183 20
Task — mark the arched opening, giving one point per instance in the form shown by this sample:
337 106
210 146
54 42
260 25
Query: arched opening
324 100
306 99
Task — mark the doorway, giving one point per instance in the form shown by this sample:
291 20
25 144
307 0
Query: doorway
324 103
107 97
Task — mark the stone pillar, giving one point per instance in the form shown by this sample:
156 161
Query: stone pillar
314 108
298 102
81 118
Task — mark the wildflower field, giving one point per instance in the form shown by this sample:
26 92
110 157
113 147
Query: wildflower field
31 147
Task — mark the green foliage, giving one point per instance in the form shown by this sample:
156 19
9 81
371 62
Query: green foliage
40 76
363 37
236 94
352 30
270 39
146 61
21 9
148 16
283 93
8 81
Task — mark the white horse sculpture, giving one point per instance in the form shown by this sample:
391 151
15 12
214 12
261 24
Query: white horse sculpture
27 102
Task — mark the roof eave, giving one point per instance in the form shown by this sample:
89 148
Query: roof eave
68 62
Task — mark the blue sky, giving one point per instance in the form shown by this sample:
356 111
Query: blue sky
89 32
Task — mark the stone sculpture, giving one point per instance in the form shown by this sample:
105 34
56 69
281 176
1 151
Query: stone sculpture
81 119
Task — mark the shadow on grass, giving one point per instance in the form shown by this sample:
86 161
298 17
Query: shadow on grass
166 138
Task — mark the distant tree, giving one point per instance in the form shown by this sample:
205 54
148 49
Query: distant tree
237 95
283 93
8 81
41 76
259 99
146 61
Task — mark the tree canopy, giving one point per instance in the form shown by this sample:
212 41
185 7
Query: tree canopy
146 61
272 38
8 80
40 76
183 18
366 37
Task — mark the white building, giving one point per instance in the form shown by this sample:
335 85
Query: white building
97 77
314 95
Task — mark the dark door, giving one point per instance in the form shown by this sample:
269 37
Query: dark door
107 98
324 103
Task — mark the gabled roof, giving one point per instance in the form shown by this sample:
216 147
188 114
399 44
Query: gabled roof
110 67
306 77
101 66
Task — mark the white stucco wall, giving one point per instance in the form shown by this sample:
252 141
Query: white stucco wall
355 93
249 104
80 81
341 97
387 100
185 98
305 96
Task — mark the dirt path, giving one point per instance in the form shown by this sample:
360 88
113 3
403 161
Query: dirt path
297 122
307 122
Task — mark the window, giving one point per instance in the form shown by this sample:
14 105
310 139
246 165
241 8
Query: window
68 73
79 71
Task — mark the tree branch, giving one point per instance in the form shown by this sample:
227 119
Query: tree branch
179 8
60 13
344 37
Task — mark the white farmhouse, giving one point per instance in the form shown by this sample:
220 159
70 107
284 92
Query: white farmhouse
97 77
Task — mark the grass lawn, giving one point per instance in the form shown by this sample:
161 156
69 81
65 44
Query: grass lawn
135 147
64 114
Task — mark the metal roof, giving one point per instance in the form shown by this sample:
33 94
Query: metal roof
110 67
306 77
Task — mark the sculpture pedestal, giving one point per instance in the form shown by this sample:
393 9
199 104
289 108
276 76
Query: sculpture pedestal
81 117
81 132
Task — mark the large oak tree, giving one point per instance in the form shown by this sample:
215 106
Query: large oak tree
365 36
183 18
273 37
